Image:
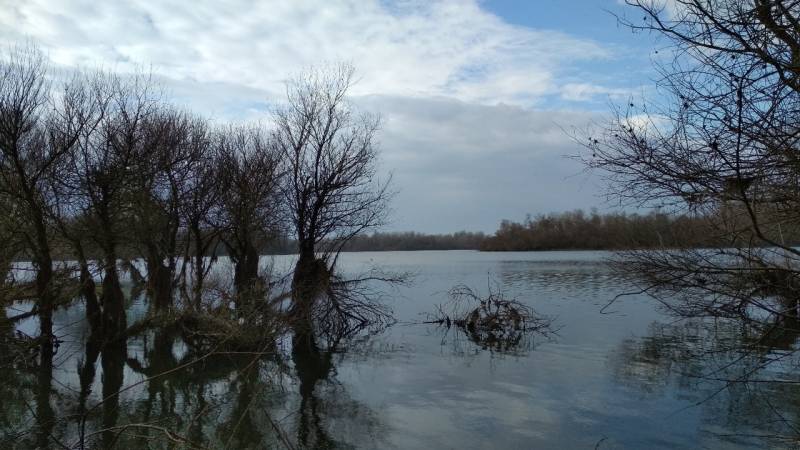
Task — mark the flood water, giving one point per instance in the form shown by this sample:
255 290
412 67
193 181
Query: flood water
630 378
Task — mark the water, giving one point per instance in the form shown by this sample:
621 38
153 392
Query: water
630 378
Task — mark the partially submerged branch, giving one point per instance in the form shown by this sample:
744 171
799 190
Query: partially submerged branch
492 321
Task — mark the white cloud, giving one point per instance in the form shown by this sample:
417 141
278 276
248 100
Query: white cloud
582 92
411 48
456 85
467 166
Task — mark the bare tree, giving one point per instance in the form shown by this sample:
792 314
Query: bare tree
103 176
723 146
201 210
331 187
38 128
249 171
171 139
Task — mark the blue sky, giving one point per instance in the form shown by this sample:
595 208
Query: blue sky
630 69
475 95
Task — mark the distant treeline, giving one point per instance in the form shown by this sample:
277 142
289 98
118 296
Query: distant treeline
391 241
462 240
576 230
573 230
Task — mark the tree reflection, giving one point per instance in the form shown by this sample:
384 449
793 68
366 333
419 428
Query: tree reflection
45 416
312 366
112 359
87 368
13 368
327 416
739 375
155 389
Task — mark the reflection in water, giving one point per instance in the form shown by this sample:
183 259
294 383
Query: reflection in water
605 375
45 416
112 360
151 391
87 368
312 366
14 371
740 378
584 278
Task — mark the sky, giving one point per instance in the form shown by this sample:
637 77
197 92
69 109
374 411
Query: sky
477 97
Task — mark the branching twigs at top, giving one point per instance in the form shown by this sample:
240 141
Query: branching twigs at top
718 143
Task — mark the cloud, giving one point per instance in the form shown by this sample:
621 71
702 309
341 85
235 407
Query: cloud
460 90
410 48
583 92
467 166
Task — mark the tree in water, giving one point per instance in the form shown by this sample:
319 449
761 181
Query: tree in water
249 170
37 131
102 175
172 143
722 145
331 189
201 210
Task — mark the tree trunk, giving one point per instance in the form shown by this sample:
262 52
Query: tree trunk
113 300
160 283
246 269
44 292
198 267
310 278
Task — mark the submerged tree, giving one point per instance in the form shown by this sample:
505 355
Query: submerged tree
172 143
249 171
37 131
331 188
723 146
103 175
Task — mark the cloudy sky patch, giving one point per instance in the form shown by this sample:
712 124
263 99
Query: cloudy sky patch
475 95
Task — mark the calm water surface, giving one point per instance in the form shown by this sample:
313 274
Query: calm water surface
626 379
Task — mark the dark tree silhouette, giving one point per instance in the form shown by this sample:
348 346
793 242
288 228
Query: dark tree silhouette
331 188
171 145
37 130
102 176
250 173
723 145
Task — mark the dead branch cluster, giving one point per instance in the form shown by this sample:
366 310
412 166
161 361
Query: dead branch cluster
492 321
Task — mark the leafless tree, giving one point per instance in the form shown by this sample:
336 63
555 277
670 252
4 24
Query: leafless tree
250 173
171 143
38 128
331 188
722 146
103 177
201 210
